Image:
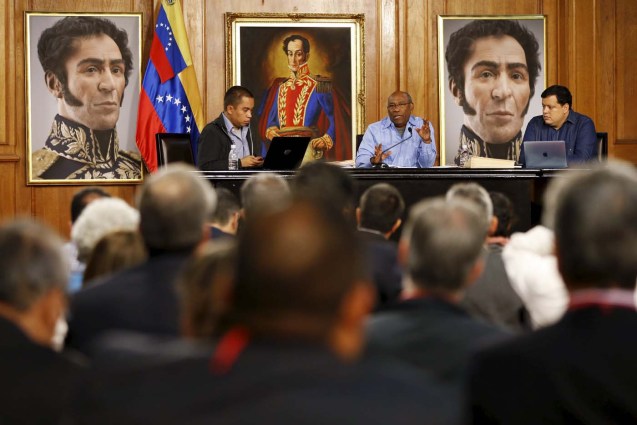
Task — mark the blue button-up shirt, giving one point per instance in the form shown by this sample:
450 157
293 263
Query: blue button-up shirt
578 132
409 150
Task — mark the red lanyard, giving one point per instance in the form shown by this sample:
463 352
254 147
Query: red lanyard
603 298
230 346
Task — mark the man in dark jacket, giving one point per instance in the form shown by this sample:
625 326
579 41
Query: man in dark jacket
36 383
232 127
174 205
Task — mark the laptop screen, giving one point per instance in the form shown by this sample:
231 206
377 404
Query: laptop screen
545 154
285 153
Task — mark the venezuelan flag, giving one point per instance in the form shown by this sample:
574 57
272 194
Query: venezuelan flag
169 101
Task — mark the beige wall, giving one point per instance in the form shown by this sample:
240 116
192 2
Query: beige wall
589 49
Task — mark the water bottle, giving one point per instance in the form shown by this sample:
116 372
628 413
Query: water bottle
233 159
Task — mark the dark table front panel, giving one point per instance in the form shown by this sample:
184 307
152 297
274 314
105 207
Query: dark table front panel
524 187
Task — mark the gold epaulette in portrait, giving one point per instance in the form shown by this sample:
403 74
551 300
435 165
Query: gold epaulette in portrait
323 84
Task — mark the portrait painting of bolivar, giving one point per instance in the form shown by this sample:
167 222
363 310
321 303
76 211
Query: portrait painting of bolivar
304 78
83 89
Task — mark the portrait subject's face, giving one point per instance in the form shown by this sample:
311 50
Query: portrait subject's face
95 83
496 88
296 55
241 114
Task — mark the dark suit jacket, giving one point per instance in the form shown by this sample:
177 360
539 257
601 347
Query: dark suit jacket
214 146
36 383
269 383
141 299
493 299
580 370
382 262
431 334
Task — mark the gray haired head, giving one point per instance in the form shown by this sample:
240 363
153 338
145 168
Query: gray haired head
32 263
445 239
174 206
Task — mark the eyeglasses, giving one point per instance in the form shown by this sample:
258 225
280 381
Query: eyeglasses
397 105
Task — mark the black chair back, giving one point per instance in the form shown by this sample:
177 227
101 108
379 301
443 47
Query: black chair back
173 147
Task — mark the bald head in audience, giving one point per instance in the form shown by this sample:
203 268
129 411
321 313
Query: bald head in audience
264 193
174 206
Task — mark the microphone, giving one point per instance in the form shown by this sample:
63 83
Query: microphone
382 164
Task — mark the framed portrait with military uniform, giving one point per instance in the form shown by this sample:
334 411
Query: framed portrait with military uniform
491 75
306 72
82 92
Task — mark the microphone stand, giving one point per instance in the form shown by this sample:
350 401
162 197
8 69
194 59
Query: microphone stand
382 164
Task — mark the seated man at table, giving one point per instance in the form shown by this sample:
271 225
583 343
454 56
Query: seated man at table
560 122
398 140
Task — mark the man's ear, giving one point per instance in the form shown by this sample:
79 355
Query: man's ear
53 84
493 225
403 252
234 221
396 226
358 216
475 272
455 91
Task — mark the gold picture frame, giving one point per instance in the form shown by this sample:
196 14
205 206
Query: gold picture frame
255 58
65 119
462 109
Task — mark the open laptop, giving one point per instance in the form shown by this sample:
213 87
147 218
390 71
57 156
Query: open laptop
285 153
545 154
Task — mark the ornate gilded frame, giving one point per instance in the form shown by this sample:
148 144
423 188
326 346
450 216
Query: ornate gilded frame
41 105
451 114
254 58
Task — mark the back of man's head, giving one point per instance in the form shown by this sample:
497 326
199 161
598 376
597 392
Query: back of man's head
476 194
295 267
381 206
82 198
596 228
444 240
174 206
503 211
327 185
263 194
227 205
32 263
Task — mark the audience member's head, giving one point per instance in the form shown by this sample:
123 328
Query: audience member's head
226 214
326 184
204 288
441 245
100 218
263 194
82 198
596 228
33 278
381 209
299 277
115 251
503 211
174 205
477 194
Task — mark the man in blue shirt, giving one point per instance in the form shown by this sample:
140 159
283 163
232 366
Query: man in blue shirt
559 122
398 140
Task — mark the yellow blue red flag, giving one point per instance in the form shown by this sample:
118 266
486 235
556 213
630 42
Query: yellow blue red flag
169 101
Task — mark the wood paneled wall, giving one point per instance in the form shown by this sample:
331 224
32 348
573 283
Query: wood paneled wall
588 49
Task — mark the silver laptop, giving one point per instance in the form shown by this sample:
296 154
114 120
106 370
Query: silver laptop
545 154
